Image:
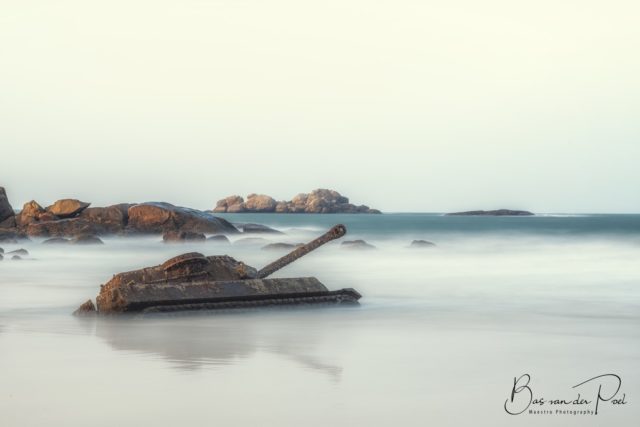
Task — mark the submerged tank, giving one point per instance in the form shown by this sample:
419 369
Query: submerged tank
193 281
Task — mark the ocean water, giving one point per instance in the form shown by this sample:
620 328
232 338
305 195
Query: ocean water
438 337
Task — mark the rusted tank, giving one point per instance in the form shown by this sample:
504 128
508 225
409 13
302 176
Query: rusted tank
193 281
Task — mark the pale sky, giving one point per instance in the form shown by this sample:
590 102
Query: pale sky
401 105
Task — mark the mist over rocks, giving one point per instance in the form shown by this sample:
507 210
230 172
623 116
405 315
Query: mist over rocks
318 201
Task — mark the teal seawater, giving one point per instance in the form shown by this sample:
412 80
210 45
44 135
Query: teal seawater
437 224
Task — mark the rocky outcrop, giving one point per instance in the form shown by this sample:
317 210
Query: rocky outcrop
159 217
86 239
497 212
220 238
111 219
7 215
67 208
318 201
64 228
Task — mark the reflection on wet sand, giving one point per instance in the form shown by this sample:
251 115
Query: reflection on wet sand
191 341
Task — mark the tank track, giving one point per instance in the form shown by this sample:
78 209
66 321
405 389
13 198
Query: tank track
345 296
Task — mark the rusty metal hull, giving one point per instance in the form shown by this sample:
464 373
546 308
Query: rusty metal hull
167 296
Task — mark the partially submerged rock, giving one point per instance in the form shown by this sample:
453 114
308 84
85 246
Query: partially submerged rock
497 212
182 236
16 258
258 229
422 244
357 245
86 239
159 217
67 208
56 241
20 251
110 219
86 309
219 238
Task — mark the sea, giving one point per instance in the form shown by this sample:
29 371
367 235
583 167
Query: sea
505 321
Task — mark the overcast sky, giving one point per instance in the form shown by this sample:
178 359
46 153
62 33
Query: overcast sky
401 105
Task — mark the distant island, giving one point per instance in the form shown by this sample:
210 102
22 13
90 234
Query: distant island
321 201
497 212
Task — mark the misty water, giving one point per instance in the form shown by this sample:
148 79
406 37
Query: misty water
438 337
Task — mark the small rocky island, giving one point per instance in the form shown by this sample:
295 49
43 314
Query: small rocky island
318 201
73 218
497 212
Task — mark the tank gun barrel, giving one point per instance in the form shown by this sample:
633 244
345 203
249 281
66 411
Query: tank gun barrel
336 232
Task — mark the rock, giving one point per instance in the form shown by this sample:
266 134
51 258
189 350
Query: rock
251 241
159 217
225 204
56 241
280 246
86 309
318 201
357 245
282 207
6 211
16 257
86 239
219 238
64 228
498 212
67 208
181 236
19 252
11 235
260 203
1 251
32 212
1 257
8 223
258 229
422 244
111 219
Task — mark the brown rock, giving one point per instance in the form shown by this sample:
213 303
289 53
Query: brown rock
64 227
181 236
67 208
224 204
159 217
237 208
6 211
31 212
260 203
282 207
86 309
111 219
